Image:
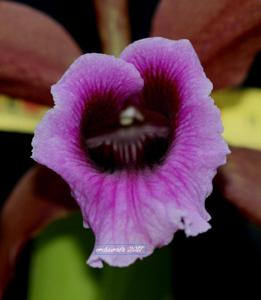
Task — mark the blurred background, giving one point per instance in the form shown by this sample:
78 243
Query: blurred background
220 264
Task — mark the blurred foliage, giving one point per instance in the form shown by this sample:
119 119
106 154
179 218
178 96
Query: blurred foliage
241 116
19 116
58 270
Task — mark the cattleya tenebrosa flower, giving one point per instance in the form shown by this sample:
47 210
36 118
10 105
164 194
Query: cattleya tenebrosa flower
138 139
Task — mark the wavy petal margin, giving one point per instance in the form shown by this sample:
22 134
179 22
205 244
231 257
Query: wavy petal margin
140 209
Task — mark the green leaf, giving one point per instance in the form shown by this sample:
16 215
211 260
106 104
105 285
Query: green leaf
39 198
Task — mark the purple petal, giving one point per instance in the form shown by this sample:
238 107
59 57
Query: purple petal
92 76
140 207
198 148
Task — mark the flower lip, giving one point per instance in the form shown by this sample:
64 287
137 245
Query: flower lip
101 94
134 138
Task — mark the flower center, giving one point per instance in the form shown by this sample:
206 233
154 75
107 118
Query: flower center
133 138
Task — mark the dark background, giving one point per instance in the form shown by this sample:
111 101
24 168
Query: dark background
223 263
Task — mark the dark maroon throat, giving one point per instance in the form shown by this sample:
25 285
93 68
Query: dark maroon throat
133 138
134 135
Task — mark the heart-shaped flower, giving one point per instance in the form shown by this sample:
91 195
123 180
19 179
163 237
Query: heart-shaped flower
138 139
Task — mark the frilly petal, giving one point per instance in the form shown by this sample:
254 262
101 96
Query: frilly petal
57 139
143 207
198 148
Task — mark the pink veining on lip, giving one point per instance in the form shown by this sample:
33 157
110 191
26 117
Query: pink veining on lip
138 139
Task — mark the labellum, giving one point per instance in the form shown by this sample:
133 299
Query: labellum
138 140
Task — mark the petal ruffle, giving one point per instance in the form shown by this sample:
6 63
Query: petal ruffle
198 148
145 207
57 141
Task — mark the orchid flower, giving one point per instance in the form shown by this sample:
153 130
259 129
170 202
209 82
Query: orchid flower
138 139
37 65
